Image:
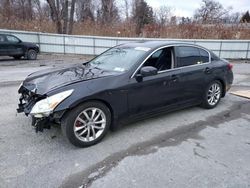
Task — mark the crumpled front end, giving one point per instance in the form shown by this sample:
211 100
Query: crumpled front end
27 101
41 107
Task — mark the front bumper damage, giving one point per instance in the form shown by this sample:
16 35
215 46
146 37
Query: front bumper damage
26 102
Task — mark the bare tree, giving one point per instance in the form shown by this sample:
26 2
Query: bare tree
233 18
41 10
71 18
55 14
65 12
108 13
163 15
20 9
59 14
173 20
85 10
210 12
127 5
6 9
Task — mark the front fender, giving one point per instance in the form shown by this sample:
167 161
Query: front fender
115 100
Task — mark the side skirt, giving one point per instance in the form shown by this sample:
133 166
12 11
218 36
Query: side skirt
158 112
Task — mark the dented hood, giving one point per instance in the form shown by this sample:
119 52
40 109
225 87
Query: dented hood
44 81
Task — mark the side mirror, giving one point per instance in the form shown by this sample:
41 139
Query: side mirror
146 71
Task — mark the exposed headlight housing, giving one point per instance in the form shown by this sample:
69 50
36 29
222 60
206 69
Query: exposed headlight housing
44 107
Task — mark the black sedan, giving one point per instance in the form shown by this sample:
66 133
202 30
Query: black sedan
12 46
127 82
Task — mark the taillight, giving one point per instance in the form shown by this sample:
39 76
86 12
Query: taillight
230 66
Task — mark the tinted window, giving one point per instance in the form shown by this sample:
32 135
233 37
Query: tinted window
204 56
161 59
157 54
12 39
214 57
187 56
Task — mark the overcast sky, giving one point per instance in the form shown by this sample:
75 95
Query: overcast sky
186 8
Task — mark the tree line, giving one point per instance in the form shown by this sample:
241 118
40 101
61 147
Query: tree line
133 17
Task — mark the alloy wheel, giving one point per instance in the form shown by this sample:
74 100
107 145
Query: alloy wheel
214 94
89 124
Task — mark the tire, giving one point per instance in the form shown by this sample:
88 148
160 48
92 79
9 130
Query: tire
17 57
31 54
81 128
212 95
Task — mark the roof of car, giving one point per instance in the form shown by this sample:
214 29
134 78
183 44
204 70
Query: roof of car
6 34
155 44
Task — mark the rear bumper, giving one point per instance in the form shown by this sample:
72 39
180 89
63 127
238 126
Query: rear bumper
228 87
229 80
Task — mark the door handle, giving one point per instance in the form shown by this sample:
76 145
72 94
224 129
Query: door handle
207 70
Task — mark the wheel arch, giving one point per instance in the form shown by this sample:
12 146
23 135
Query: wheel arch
33 48
107 104
223 86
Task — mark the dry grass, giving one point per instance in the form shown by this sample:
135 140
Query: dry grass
127 29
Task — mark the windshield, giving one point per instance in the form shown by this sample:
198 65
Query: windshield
118 59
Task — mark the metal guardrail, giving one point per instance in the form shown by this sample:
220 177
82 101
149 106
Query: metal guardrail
94 45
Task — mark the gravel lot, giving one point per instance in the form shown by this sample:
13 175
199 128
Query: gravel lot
189 148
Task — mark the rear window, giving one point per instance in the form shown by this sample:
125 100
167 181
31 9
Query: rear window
204 56
187 55
214 57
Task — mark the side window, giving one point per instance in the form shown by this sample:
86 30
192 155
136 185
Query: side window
214 57
204 56
12 39
187 56
161 59
1 38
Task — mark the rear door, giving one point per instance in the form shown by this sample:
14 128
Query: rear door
195 70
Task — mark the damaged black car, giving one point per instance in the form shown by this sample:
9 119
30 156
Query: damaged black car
126 83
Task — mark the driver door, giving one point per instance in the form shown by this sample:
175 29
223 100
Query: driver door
158 90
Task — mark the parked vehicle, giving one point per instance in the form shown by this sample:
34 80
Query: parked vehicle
12 46
127 82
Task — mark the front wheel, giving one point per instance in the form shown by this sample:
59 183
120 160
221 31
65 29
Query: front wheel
31 54
86 124
212 95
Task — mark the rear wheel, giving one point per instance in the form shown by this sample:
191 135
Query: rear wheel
31 54
86 124
212 95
